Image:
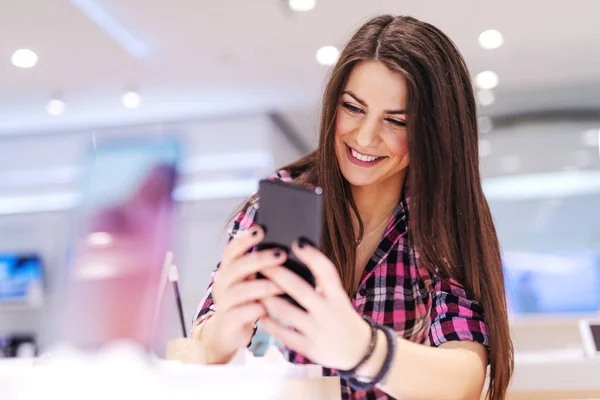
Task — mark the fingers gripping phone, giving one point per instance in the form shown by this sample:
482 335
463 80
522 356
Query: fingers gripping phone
288 212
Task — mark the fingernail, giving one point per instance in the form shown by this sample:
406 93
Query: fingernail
277 254
255 233
303 242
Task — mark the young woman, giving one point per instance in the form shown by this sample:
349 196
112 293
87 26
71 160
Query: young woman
410 296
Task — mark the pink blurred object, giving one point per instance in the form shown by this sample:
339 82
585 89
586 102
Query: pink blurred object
116 268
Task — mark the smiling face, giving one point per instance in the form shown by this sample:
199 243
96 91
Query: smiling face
371 140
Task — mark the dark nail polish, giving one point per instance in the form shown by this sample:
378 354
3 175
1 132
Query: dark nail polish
304 242
277 254
254 233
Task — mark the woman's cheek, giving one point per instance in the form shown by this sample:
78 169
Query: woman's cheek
344 124
397 144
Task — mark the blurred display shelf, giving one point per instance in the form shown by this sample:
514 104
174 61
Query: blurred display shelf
556 374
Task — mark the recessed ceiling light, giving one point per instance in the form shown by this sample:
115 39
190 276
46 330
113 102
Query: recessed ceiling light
131 100
486 97
491 39
301 5
327 55
486 80
24 58
56 107
485 148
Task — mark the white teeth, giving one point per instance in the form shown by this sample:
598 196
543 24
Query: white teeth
362 157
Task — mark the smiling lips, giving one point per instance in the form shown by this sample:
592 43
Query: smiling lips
362 160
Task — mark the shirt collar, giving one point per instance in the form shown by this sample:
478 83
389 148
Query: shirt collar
399 224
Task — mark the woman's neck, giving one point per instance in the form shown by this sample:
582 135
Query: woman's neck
377 202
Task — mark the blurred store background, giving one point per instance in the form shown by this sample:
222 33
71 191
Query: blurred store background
240 82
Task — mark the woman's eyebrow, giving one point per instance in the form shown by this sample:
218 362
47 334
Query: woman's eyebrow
364 103
355 97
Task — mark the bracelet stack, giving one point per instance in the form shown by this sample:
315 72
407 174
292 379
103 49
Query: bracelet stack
358 383
352 372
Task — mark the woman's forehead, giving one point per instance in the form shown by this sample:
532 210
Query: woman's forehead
377 85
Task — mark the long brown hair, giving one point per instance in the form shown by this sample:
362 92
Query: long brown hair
450 220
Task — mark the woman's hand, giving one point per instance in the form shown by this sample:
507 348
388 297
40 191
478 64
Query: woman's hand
236 294
329 332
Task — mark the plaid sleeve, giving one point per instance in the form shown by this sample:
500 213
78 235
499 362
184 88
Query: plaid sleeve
243 221
455 315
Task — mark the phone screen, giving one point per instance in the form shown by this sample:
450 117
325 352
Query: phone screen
123 231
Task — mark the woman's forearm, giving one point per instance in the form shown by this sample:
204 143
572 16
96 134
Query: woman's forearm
453 371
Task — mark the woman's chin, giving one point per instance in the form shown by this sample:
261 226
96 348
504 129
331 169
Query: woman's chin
360 179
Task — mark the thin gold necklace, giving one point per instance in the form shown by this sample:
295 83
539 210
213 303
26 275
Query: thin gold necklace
360 242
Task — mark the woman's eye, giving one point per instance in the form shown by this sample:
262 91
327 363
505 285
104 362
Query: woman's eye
396 122
352 108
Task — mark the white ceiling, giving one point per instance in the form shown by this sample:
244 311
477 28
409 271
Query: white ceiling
239 57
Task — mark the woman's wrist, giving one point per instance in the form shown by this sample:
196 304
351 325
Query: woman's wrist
208 338
373 365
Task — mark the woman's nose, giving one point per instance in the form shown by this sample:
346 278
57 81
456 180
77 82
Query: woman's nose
367 133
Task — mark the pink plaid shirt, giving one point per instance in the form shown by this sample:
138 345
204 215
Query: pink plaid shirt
396 291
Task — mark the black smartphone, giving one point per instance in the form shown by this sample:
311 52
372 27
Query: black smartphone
289 211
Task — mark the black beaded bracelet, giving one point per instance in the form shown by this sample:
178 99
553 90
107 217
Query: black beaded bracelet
392 341
351 372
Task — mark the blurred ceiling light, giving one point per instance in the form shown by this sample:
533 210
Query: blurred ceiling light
486 97
39 177
131 100
490 39
99 239
38 203
545 186
56 107
510 163
302 5
234 163
196 191
327 55
591 137
485 148
486 80
485 124
24 58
